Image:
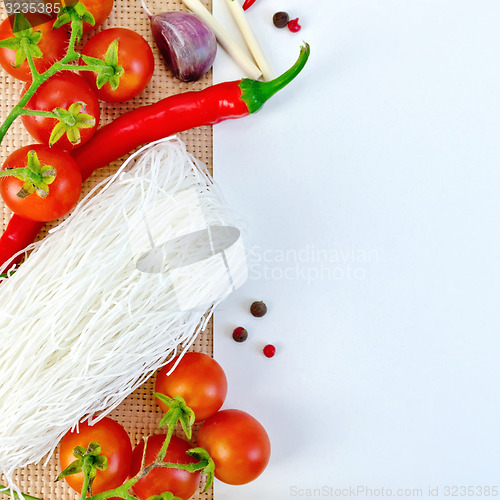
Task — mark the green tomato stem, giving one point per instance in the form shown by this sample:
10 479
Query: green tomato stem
36 112
71 53
123 490
97 69
192 467
14 172
170 432
39 78
31 62
86 482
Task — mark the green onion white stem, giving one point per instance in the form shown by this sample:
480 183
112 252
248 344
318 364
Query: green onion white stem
225 39
250 39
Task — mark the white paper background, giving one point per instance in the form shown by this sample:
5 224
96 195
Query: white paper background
370 188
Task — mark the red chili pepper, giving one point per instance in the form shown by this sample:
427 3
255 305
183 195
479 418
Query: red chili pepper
20 233
247 4
145 124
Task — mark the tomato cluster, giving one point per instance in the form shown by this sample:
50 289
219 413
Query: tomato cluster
115 65
237 443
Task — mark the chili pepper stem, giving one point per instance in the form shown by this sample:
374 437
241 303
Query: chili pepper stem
255 93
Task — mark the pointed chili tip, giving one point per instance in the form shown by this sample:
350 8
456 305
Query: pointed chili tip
255 93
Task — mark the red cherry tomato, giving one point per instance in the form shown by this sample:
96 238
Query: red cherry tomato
134 56
199 379
53 45
181 483
238 445
115 446
64 191
61 91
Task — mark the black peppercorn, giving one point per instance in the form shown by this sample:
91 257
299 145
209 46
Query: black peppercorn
258 309
280 19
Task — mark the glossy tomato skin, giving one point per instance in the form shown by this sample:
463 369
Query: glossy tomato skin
238 445
199 379
179 482
134 55
61 91
53 45
63 192
100 9
115 445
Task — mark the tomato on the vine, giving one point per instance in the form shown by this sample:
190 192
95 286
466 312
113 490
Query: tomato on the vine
115 446
199 379
65 91
53 46
133 69
41 170
238 445
181 483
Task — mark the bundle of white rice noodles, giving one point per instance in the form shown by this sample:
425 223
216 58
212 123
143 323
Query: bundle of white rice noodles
109 296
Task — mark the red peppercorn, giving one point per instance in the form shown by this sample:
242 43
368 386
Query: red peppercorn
269 351
240 334
293 25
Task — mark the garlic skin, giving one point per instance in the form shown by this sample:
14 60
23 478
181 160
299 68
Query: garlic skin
186 42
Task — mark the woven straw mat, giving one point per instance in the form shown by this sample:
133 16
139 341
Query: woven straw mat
138 413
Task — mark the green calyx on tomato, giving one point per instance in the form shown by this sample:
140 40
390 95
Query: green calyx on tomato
133 54
178 411
35 177
65 189
71 121
108 71
24 42
205 465
88 461
115 446
75 11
